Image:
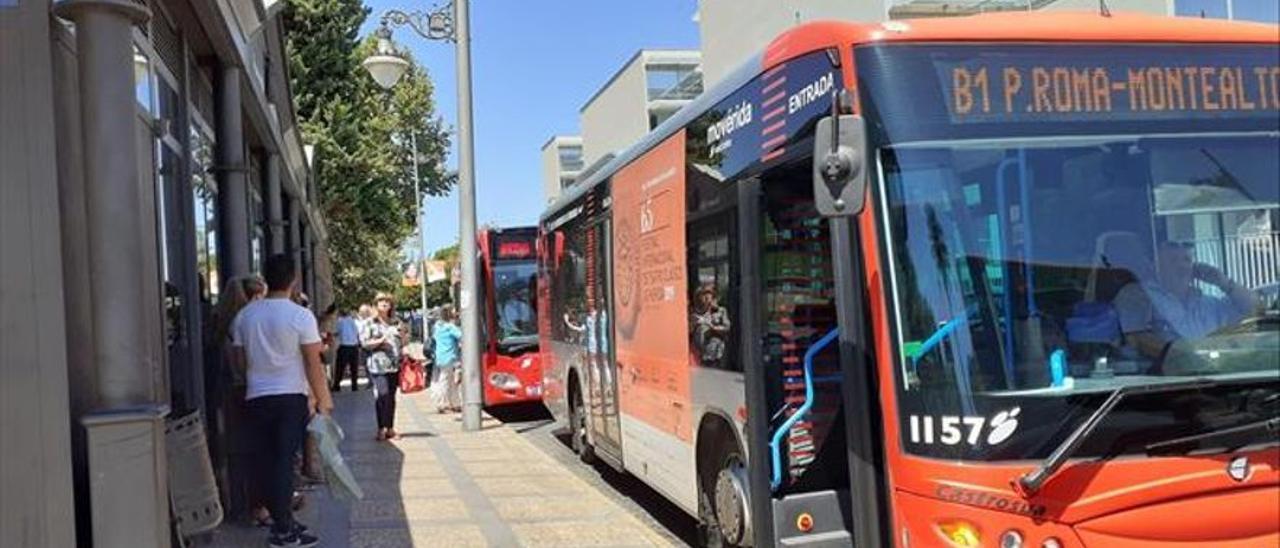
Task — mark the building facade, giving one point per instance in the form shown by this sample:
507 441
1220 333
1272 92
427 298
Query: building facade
561 164
151 154
732 31
648 89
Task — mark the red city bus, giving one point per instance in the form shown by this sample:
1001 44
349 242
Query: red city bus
997 280
510 360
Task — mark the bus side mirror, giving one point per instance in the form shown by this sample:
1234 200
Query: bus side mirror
839 173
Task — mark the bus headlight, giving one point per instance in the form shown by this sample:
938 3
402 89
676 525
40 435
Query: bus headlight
960 533
504 381
1011 539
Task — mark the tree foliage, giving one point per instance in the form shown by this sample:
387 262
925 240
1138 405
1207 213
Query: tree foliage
363 159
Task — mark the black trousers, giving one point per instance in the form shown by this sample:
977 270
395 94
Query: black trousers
348 359
385 386
278 426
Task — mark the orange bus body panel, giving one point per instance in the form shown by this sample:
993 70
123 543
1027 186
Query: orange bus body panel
1108 502
1235 519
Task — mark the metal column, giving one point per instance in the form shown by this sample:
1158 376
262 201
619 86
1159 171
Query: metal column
275 207
295 233
420 212
308 267
471 396
233 172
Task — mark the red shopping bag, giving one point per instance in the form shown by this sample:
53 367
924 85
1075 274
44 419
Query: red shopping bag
413 376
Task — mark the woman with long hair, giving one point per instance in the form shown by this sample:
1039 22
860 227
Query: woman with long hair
229 384
381 341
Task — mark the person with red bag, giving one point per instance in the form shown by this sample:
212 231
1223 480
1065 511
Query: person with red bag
381 340
413 374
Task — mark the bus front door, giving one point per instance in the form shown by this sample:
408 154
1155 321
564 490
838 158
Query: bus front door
602 370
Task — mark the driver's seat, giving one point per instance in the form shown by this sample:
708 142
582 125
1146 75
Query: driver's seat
1094 326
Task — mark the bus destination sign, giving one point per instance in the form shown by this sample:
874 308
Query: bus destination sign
1069 86
515 249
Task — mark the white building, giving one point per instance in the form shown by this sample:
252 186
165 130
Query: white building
561 164
648 89
734 30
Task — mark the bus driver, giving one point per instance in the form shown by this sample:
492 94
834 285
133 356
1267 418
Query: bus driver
1156 312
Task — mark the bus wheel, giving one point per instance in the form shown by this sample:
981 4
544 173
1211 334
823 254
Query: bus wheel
724 510
578 425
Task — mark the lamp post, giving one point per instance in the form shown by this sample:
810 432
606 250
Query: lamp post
386 67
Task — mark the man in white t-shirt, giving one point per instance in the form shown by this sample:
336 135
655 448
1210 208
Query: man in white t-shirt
279 343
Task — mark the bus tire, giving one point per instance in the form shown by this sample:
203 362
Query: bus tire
722 482
578 424
709 535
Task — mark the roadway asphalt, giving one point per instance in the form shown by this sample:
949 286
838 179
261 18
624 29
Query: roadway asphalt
534 423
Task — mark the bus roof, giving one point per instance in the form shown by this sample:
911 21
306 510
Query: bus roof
988 27
1036 26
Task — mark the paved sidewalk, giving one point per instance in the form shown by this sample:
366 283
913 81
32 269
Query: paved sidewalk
439 486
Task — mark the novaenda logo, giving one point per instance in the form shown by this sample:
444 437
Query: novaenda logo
735 119
1003 425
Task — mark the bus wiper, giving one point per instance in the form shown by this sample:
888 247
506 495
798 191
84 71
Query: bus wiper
1031 482
1184 444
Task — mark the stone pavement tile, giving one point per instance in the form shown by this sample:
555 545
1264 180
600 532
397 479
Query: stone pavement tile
485 454
532 485
507 468
383 457
408 488
599 533
371 511
543 508
419 536
410 469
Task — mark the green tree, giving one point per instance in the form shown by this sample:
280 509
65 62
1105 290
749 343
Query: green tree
363 161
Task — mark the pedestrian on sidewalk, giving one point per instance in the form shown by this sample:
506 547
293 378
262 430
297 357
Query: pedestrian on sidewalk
280 343
228 385
381 341
446 378
363 315
348 358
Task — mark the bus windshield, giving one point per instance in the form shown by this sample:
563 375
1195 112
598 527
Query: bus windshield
513 299
1034 276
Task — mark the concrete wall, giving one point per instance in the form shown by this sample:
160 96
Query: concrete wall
618 115
35 450
551 169
733 30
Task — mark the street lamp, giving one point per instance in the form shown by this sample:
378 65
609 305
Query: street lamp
386 67
450 22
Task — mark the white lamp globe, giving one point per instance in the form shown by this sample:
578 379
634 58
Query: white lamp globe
386 70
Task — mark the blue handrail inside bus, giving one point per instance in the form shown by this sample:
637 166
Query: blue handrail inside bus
936 338
791 421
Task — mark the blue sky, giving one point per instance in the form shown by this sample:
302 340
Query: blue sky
534 64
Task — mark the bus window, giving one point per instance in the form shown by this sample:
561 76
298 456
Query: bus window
713 284
570 280
1007 308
